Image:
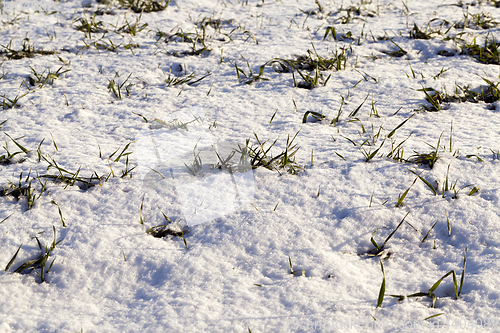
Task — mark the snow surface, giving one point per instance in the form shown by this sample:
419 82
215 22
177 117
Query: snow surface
235 276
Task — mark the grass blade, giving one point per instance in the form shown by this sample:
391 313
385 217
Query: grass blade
448 223
463 273
316 115
374 242
5 219
13 258
28 264
140 214
26 151
402 197
382 288
60 214
425 182
291 268
184 240
433 316
372 155
438 282
397 127
435 103
428 232
474 190
353 113
394 231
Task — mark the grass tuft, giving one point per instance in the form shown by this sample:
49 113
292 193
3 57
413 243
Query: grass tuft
28 50
381 293
427 158
262 157
145 6
39 263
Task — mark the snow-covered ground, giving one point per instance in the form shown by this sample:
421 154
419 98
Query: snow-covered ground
262 249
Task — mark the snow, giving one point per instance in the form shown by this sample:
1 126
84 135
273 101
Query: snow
242 228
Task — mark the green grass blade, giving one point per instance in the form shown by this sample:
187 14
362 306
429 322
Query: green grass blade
448 223
272 118
123 151
27 264
26 151
140 115
434 103
455 284
394 231
352 114
374 242
399 126
402 197
428 232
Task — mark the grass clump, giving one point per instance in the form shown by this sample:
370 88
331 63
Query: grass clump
40 79
214 23
39 264
19 190
116 86
427 32
132 29
89 25
250 77
313 61
27 50
397 52
71 178
310 67
354 13
262 157
175 80
145 6
8 103
181 37
166 229
9 158
488 94
427 158
202 51
477 21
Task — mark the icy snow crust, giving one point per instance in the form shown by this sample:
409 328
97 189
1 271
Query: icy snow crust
235 276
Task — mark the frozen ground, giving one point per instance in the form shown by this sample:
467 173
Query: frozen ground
112 98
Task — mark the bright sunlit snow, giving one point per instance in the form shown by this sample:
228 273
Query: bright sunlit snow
289 152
